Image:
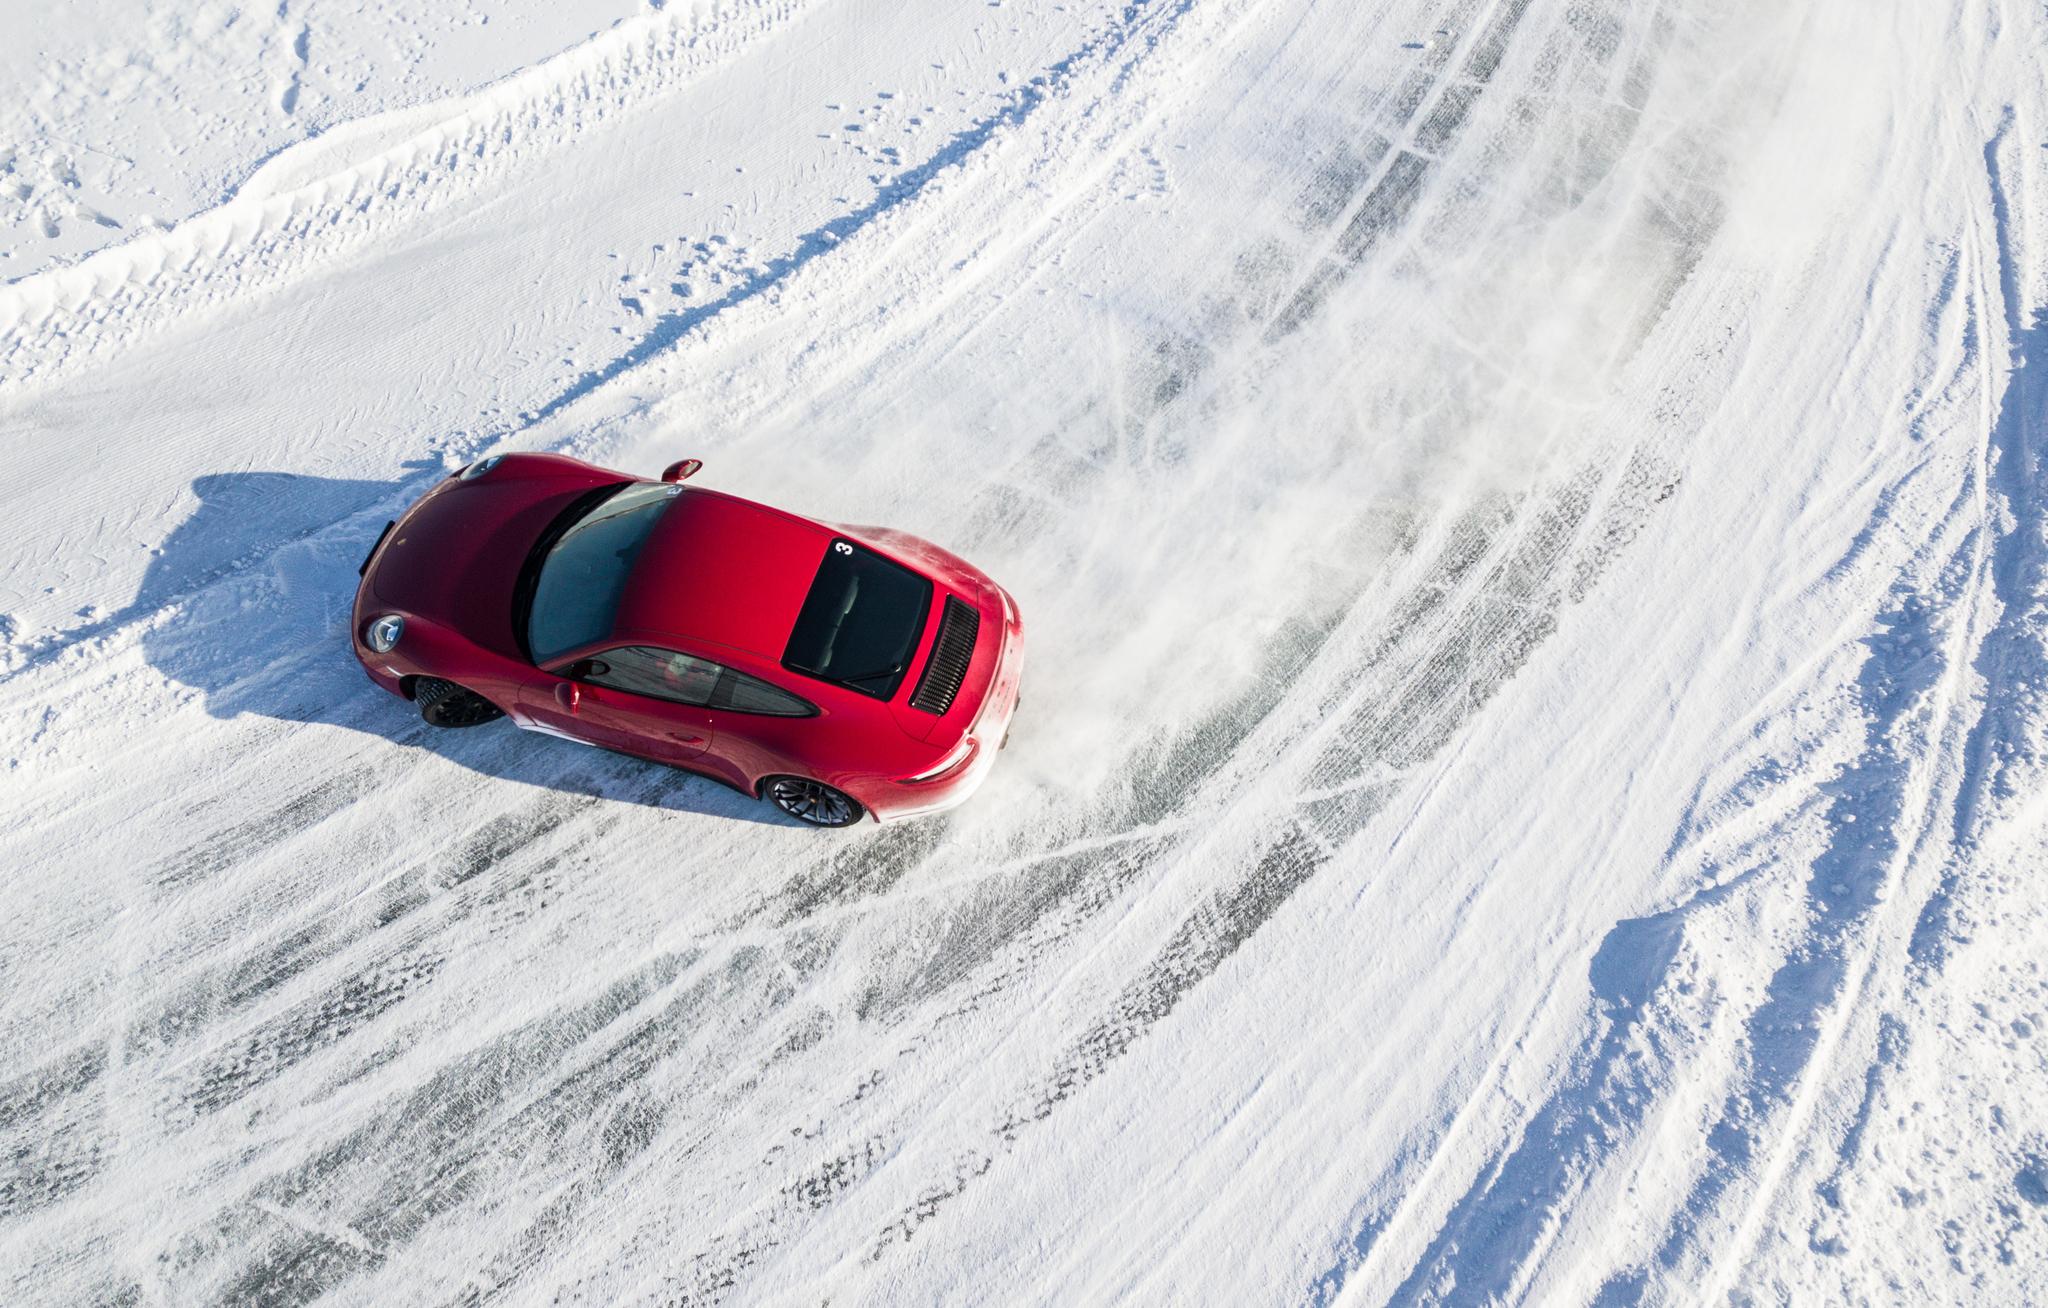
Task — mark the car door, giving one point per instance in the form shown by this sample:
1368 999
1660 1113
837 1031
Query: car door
635 698
758 728
736 711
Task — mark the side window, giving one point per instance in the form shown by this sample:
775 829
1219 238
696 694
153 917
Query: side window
656 673
744 694
682 679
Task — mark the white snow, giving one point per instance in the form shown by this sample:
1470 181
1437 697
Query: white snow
1529 515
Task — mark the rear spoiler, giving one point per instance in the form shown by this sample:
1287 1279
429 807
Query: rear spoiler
364 570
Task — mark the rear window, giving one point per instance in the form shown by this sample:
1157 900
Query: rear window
860 623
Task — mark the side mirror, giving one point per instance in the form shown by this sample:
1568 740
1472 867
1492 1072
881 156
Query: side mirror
569 696
681 470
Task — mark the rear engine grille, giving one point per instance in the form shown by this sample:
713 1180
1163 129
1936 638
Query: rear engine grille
951 653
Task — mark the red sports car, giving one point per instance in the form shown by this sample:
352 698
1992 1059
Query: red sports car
834 671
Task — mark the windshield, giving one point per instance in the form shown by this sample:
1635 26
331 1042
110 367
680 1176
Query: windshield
860 623
584 571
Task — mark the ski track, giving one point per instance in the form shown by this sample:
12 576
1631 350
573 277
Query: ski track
377 1019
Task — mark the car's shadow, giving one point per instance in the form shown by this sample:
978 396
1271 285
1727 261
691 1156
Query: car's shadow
248 602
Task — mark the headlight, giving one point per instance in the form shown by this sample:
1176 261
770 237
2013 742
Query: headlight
382 635
481 466
954 758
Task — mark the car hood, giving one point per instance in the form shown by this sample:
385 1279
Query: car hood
454 558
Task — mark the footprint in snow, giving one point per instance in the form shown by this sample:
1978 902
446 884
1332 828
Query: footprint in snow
2032 1182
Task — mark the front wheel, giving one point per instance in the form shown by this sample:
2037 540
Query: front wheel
812 801
445 704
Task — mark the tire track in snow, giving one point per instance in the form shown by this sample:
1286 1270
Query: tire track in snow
2012 658
387 958
50 1136
53 320
254 835
1432 109
360 960
681 999
387 913
475 1116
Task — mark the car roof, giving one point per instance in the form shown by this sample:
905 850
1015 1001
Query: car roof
722 569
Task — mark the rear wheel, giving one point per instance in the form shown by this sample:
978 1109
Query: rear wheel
812 801
445 704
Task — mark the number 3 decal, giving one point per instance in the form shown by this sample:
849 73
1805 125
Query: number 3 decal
842 547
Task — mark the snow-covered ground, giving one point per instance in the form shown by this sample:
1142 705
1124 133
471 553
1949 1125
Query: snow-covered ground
1530 515
125 116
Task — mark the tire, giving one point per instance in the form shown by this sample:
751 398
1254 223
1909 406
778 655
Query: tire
445 704
811 802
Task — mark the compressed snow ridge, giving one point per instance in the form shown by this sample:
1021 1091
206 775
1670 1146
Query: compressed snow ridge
129 117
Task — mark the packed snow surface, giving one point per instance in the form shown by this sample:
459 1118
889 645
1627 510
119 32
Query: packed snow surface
1530 784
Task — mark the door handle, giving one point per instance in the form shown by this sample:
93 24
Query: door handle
683 739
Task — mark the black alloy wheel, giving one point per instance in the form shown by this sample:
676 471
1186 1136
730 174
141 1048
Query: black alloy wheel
813 802
445 704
